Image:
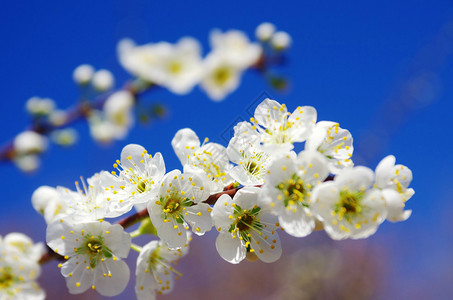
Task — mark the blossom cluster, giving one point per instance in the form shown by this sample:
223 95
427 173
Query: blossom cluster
19 267
249 191
177 67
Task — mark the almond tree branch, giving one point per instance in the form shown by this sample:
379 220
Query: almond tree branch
76 113
141 215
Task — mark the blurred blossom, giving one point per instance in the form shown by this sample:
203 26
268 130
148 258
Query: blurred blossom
118 107
57 117
281 40
27 163
174 66
101 130
43 198
40 106
265 31
231 54
19 267
235 47
103 80
220 78
64 137
30 142
83 74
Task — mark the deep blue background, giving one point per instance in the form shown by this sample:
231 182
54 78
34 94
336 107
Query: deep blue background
354 62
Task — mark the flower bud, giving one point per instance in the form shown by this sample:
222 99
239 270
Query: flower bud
83 74
64 137
281 40
103 80
42 196
38 106
264 31
30 142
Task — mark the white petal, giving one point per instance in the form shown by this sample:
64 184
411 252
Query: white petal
269 113
199 218
281 169
247 197
184 143
174 237
230 249
221 211
355 179
302 121
395 206
384 171
117 240
267 246
114 285
133 152
298 223
312 166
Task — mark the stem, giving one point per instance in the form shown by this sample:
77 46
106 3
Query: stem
135 233
136 248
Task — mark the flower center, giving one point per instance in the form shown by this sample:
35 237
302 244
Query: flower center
175 67
349 204
252 167
222 75
294 191
245 222
172 206
141 186
94 247
6 279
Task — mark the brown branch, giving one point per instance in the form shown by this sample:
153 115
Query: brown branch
74 114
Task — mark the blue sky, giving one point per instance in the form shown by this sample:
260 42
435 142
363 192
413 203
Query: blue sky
373 67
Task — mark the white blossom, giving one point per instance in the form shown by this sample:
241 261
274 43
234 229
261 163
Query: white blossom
235 47
349 206
40 106
28 162
231 54
264 31
245 150
220 77
279 129
334 142
155 269
93 251
102 130
245 224
83 74
177 67
19 268
288 188
29 142
281 40
178 204
64 137
21 246
138 180
103 80
118 111
90 202
207 159
394 181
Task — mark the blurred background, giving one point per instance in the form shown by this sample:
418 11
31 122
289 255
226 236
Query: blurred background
383 70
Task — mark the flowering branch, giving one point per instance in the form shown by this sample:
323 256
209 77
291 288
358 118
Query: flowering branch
72 115
177 67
